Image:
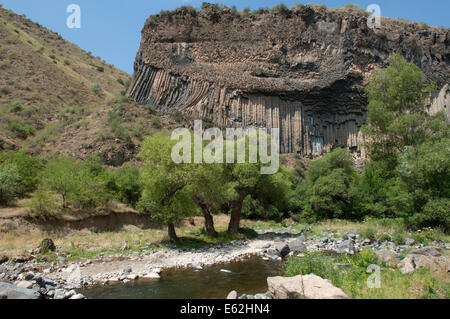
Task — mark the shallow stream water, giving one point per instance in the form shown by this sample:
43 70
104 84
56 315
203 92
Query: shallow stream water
249 277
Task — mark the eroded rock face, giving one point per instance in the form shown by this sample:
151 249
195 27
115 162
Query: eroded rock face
303 71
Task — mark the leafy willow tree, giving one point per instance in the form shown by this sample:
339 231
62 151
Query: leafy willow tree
210 192
245 179
167 194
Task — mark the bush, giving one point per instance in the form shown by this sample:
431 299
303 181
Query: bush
281 8
5 90
368 233
96 88
42 205
9 183
22 130
128 185
352 6
28 168
156 122
16 107
120 81
77 183
115 123
100 69
435 214
150 109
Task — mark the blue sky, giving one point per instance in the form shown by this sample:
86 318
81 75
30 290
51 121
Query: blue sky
111 29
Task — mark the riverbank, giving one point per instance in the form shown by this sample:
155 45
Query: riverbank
69 273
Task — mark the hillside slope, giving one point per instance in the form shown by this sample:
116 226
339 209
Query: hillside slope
43 76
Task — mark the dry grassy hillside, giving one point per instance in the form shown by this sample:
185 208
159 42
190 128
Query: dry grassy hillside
42 75
56 98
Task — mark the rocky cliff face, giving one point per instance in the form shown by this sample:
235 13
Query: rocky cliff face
302 71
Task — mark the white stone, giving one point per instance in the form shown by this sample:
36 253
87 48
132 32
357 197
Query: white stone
152 276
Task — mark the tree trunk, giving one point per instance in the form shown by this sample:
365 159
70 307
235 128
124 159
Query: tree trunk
209 223
172 234
233 226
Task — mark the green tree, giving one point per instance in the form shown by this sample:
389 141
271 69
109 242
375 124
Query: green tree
396 110
245 179
60 177
80 184
167 194
28 168
210 192
9 182
128 185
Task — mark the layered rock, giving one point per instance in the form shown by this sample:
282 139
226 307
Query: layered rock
302 71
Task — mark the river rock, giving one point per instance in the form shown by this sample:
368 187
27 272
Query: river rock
232 295
9 291
132 277
59 294
407 266
300 287
77 297
426 251
282 248
346 247
24 284
389 257
297 246
152 276
69 294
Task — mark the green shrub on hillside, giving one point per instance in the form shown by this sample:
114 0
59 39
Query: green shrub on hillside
16 107
21 130
156 122
96 88
9 183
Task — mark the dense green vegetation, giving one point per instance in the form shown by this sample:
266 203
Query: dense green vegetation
350 274
406 176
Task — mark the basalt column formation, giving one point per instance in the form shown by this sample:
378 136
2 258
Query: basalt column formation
302 70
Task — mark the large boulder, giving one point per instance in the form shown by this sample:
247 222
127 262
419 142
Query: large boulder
425 257
407 265
426 251
9 291
389 257
303 287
